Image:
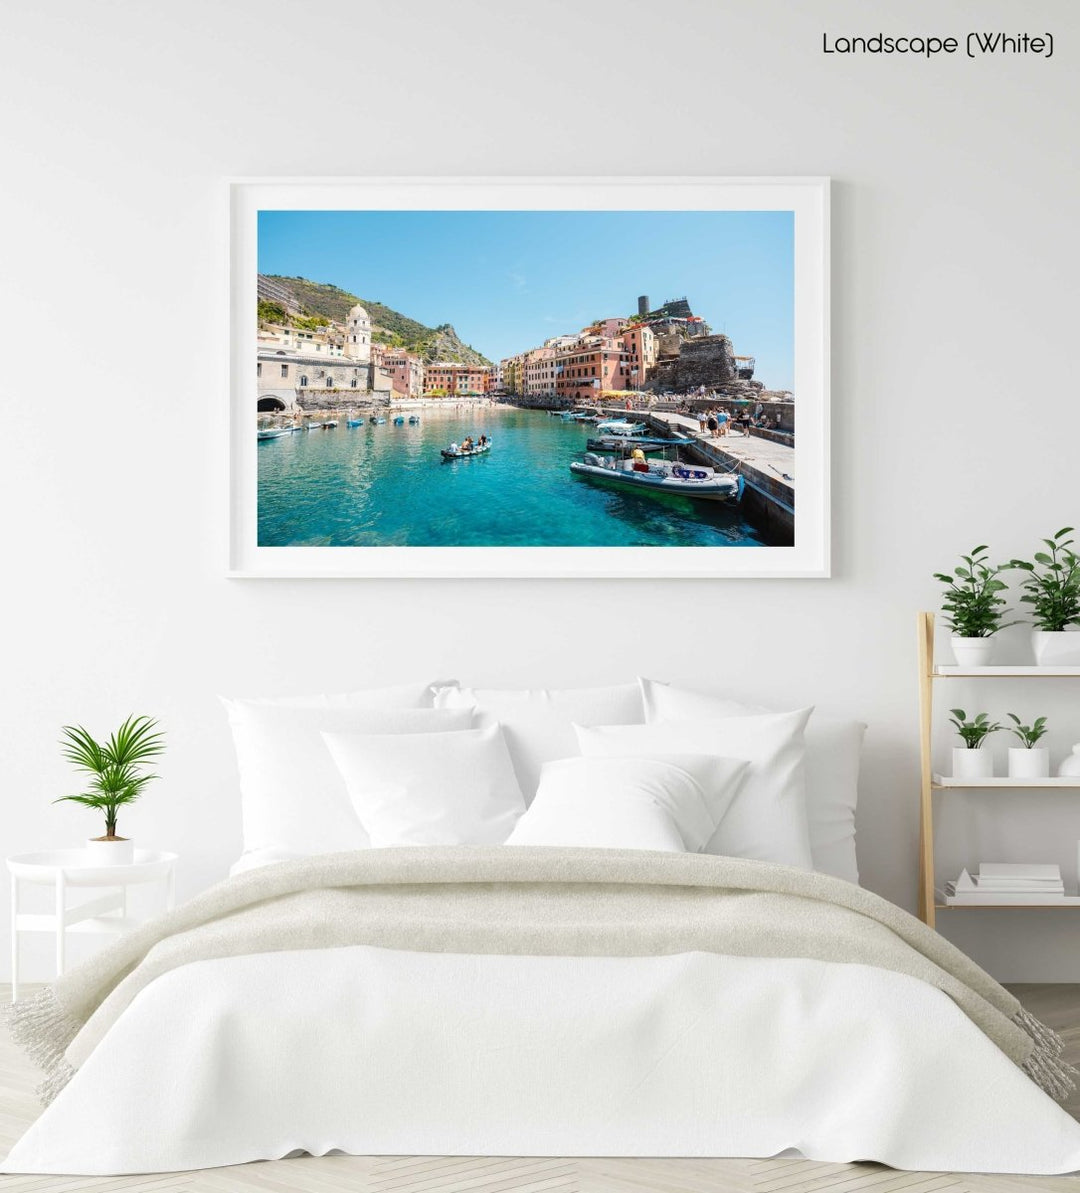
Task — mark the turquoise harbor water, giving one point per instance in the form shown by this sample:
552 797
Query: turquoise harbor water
385 486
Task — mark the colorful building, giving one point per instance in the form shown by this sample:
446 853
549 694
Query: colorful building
538 375
512 379
406 371
457 380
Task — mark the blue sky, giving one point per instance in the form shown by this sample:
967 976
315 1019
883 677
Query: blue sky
507 280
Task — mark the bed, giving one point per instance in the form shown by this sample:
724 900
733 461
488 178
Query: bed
565 944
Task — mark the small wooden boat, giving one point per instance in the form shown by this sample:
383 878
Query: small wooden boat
330 425
399 421
272 432
479 449
313 426
376 421
661 476
414 419
354 422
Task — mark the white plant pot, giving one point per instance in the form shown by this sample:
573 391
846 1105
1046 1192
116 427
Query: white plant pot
972 652
120 852
1056 648
972 764
1029 764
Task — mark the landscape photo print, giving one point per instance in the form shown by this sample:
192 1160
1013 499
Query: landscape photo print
523 377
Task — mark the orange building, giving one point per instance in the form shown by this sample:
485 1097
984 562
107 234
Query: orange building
457 380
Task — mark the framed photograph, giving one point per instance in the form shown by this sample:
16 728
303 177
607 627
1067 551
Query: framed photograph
526 377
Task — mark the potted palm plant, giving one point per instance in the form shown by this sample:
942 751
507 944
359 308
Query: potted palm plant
1052 589
1029 760
117 778
973 607
970 761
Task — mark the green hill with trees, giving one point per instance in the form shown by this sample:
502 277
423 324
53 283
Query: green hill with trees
322 303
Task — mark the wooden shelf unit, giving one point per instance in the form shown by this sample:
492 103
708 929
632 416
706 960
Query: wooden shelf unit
929 672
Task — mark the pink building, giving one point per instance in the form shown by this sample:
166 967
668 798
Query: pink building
639 348
609 355
406 372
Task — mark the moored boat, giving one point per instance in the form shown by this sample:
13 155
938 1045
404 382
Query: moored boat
661 476
329 426
414 419
272 432
313 426
375 420
399 420
354 422
609 443
619 426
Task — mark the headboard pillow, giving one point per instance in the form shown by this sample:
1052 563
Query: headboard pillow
672 803
767 818
833 748
292 796
430 788
538 723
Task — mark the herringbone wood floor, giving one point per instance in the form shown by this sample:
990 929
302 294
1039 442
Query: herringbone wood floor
1057 1005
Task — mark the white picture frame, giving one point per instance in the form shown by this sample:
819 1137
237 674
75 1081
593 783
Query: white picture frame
806 197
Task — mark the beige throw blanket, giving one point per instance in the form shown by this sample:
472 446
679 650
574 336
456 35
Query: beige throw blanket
526 901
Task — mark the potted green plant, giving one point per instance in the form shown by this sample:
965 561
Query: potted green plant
1052 589
973 607
117 778
970 761
1029 760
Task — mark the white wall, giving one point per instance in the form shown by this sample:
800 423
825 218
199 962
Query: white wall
955 412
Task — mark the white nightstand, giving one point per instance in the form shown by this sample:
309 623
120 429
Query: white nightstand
64 869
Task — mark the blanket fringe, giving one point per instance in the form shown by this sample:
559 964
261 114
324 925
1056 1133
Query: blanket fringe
1046 1065
43 1030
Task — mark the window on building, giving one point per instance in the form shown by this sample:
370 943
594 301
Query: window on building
284 370
352 383
329 383
303 379
258 369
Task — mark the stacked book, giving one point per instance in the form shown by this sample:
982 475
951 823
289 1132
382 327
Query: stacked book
1007 882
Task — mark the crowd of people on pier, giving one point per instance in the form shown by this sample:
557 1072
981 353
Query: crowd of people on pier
717 422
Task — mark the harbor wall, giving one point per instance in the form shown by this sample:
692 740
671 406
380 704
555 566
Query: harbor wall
769 499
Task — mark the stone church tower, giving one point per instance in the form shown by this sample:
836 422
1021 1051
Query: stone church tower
358 335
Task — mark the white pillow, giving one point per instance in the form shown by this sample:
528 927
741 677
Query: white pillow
431 788
672 803
292 796
767 818
405 695
833 750
539 722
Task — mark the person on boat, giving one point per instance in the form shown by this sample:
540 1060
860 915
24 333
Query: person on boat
483 440
639 462
467 444
454 449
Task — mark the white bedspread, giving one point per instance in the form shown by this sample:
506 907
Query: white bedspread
375 1051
